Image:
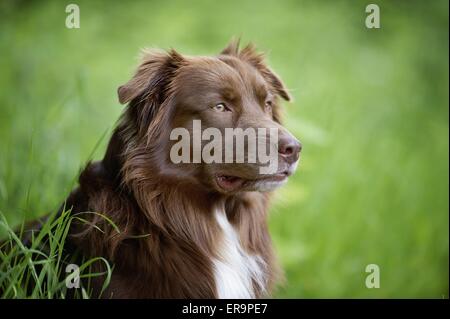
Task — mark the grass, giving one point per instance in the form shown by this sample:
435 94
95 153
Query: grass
371 109
39 269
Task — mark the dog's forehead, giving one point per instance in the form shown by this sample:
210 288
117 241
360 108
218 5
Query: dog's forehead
222 72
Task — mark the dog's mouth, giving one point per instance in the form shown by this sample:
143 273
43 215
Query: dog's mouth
231 183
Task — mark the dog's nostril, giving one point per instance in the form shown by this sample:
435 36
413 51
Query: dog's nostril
289 148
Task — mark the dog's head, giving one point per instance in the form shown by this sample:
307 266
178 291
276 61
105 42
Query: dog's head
212 121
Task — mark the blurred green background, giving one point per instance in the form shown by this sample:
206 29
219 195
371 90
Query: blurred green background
371 108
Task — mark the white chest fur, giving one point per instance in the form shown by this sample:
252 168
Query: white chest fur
235 270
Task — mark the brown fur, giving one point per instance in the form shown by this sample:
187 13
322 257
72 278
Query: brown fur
167 232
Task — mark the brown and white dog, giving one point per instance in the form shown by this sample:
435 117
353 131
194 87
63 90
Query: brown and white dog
187 230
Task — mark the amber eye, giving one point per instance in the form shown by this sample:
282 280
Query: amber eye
221 107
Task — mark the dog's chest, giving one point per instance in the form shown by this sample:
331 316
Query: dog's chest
235 271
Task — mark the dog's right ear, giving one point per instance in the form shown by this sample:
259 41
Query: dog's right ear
232 47
152 76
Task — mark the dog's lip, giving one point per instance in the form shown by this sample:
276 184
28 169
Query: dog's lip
277 177
230 182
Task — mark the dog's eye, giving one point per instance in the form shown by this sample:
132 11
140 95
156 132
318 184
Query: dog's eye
268 105
221 107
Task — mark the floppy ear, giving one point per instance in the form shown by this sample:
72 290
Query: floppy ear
152 76
256 59
250 55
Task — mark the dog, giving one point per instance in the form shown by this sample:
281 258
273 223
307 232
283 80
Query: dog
186 230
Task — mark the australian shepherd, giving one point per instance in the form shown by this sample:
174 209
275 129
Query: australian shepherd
186 229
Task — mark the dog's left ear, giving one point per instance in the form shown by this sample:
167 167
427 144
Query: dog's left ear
256 59
152 77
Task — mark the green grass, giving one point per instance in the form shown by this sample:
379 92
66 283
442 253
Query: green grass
371 109
38 269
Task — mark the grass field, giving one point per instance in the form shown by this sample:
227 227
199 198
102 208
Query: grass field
371 109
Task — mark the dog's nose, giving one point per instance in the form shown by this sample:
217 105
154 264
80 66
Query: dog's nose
289 148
